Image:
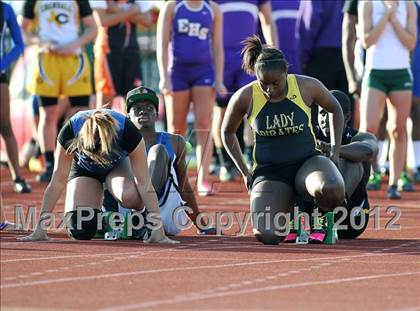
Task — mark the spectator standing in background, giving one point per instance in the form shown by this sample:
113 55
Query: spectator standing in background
389 33
351 52
319 27
8 22
319 31
117 52
415 109
285 15
62 67
240 21
194 29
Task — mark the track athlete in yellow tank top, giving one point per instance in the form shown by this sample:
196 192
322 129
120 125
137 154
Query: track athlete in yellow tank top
286 161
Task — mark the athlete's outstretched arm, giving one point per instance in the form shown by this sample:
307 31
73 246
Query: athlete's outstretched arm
238 107
363 147
52 192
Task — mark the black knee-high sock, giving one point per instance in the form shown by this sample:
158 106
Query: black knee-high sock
240 134
110 203
224 158
49 160
215 155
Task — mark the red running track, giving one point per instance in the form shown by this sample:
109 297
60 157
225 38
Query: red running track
378 271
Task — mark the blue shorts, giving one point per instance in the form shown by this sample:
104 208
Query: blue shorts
415 69
416 81
185 77
234 77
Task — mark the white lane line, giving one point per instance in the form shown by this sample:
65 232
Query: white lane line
211 246
74 256
84 265
180 299
269 278
407 309
117 275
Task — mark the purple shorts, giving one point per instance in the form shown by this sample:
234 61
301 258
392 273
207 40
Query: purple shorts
233 77
185 77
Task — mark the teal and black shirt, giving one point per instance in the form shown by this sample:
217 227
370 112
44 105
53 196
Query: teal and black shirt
283 132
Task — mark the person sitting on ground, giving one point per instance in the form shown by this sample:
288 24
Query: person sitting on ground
97 147
166 159
357 150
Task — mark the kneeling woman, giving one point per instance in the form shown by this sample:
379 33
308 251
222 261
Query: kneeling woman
286 161
97 147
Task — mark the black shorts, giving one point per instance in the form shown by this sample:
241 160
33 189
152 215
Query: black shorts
326 64
4 78
222 102
78 171
359 197
125 67
285 173
75 101
357 218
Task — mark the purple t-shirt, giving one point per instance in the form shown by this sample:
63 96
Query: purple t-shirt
319 25
192 33
240 20
285 14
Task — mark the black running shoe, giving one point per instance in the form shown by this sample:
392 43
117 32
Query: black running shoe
21 186
393 193
144 232
45 177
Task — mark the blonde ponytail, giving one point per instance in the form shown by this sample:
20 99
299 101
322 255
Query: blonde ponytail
96 137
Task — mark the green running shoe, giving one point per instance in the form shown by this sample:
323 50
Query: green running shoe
374 182
292 235
404 183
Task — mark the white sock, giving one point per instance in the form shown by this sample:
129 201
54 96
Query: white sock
383 147
416 145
